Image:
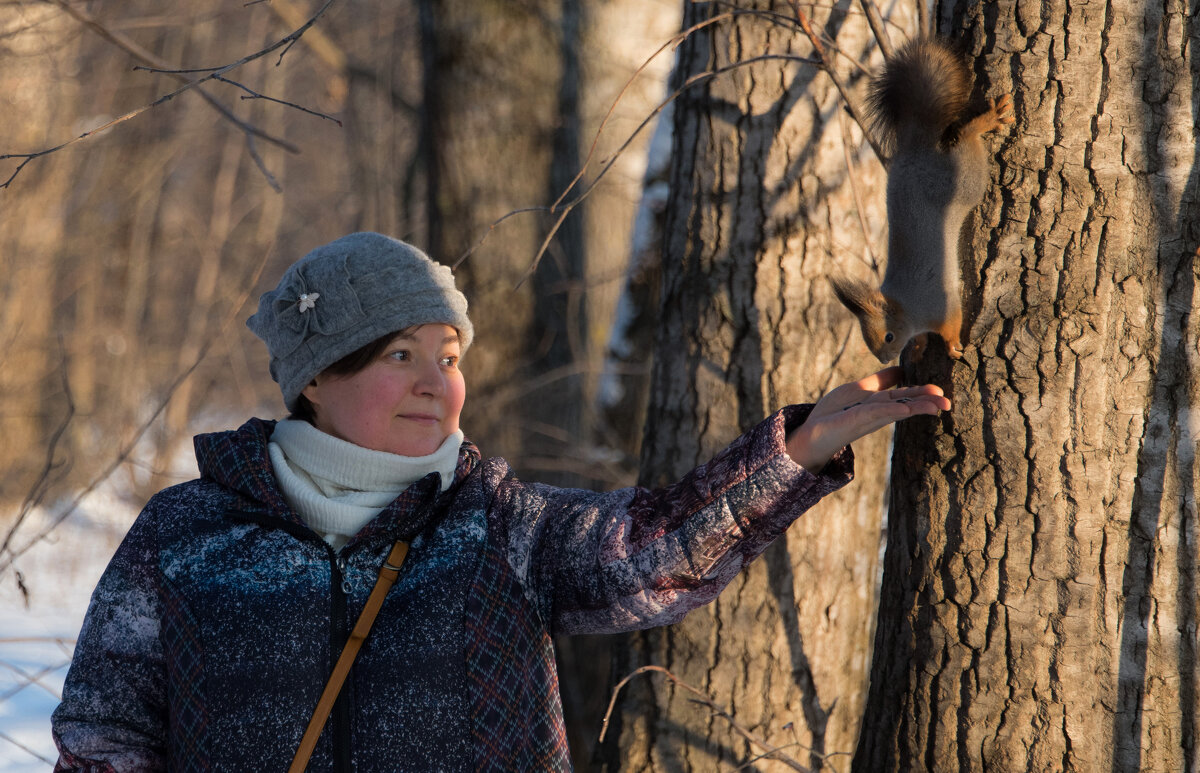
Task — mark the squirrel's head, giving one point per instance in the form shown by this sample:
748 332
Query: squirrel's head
882 321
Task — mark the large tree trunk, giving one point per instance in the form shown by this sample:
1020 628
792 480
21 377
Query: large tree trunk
761 206
1039 599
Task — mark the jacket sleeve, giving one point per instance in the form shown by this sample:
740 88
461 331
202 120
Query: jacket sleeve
113 714
637 558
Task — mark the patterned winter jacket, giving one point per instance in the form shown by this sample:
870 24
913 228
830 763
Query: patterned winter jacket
216 624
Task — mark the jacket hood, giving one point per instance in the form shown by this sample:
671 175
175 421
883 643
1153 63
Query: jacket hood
238 460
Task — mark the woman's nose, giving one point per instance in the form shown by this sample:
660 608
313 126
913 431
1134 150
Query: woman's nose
430 380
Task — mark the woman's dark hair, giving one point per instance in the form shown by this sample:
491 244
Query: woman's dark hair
352 363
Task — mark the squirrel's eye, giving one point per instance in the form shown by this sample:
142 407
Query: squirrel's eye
887 339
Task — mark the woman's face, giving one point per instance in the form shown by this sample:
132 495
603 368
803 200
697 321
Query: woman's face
406 402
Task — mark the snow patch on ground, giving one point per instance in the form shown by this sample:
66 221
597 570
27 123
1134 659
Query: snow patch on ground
37 631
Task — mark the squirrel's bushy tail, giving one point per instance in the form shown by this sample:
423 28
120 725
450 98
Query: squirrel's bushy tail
922 91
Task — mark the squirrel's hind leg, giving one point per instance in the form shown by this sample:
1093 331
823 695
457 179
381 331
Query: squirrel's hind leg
951 333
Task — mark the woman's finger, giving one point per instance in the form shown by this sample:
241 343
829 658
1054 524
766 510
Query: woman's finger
883 379
907 393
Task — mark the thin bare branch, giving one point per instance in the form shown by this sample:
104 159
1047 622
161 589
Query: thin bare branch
563 210
285 42
147 58
878 28
774 752
292 14
255 95
38 491
852 178
792 23
492 227
252 149
24 748
672 43
838 83
692 81
12 555
8 556
32 678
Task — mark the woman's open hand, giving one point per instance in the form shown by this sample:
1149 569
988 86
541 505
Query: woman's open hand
857 409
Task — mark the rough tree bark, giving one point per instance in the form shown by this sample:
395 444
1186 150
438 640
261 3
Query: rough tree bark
1039 601
761 206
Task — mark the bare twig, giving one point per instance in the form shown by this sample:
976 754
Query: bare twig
147 58
6 561
923 21
877 27
24 748
285 42
774 752
12 555
255 95
827 66
672 43
33 678
698 78
563 210
38 491
852 177
492 227
252 149
830 44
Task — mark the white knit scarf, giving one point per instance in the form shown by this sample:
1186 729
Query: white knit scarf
337 486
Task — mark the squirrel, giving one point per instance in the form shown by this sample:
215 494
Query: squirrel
918 107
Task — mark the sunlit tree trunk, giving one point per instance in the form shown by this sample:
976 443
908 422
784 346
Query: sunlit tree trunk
762 205
1039 599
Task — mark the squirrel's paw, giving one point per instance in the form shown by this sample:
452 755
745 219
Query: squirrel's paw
1001 111
920 345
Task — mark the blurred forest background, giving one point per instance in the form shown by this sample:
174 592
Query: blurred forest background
132 258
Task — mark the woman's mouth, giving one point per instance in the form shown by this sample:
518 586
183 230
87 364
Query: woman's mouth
419 418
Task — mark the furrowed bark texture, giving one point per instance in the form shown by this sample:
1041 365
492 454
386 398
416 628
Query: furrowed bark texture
1039 606
761 207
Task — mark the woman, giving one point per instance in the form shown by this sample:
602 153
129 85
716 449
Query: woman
216 625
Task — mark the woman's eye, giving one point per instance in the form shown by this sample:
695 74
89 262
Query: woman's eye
400 355
450 361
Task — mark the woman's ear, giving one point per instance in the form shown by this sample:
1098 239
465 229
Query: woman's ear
311 392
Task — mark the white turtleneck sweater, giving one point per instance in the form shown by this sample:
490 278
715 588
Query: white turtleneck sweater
337 486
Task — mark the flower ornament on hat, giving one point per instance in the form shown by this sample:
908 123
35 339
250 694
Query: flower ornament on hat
293 305
344 295
308 301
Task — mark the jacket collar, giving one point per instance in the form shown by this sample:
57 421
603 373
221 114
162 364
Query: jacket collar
239 461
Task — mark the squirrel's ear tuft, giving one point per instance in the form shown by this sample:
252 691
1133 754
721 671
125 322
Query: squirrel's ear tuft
857 296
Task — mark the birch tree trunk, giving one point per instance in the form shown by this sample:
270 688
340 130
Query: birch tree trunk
1039 602
762 204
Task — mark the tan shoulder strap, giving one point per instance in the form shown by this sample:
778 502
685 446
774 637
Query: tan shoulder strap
387 575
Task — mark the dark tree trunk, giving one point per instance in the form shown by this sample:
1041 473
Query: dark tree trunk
1039 603
761 206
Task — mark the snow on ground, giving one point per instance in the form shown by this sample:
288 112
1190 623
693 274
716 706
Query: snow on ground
37 637
37 633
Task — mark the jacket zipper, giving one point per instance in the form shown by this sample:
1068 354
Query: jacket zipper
339 634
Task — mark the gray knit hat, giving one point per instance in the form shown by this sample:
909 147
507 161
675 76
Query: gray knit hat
344 295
